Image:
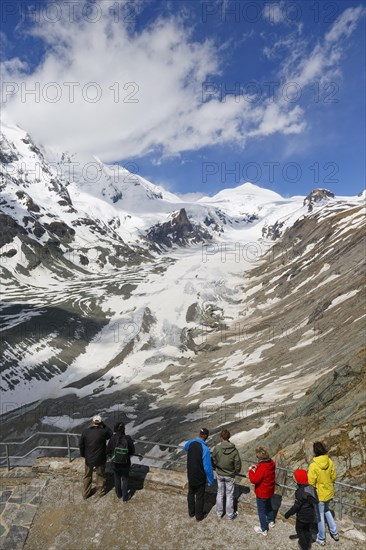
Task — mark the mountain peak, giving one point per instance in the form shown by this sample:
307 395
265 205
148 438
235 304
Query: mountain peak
249 189
317 195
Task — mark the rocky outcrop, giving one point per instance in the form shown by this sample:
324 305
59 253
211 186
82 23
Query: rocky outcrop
9 229
29 203
317 196
8 152
63 232
177 231
273 232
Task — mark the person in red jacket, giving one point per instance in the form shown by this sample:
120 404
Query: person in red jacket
263 476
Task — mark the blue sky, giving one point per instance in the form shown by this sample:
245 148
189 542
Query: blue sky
195 95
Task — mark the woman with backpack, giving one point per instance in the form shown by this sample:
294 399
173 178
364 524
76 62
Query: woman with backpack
121 447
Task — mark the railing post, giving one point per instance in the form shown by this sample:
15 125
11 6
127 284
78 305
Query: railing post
68 447
340 514
7 457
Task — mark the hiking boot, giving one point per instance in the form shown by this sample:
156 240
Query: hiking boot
234 516
321 542
271 524
260 532
335 537
129 496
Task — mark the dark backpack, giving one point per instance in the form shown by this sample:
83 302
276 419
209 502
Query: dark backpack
121 452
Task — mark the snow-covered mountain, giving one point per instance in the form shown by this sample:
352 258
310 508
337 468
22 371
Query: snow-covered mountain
116 293
101 217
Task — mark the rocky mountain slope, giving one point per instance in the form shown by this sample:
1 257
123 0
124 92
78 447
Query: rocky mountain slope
326 292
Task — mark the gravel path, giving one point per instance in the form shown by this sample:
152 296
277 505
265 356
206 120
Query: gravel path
151 520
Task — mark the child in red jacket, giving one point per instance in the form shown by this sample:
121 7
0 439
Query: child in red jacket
263 476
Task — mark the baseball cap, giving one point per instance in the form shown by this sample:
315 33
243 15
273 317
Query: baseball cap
97 419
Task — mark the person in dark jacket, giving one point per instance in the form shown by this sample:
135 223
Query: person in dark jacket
121 472
199 469
304 507
93 448
226 460
263 475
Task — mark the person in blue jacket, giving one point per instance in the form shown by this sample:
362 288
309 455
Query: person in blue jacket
199 470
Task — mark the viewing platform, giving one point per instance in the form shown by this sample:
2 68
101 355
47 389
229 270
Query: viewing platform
42 509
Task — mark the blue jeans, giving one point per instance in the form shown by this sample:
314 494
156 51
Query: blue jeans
121 474
325 515
265 512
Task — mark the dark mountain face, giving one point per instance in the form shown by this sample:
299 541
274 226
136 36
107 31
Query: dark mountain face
316 196
177 231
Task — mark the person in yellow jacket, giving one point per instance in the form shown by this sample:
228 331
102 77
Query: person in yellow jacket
322 475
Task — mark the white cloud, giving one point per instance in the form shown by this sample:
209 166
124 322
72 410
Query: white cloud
305 65
345 24
274 120
3 43
108 89
323 60
150 91
12 67
274 12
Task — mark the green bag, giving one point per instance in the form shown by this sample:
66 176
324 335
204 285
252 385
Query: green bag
121 453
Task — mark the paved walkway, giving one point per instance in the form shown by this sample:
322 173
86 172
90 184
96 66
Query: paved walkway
42 509
151 520
18 506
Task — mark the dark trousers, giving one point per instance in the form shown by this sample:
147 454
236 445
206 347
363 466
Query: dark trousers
121 481
265 512
196 497
303 531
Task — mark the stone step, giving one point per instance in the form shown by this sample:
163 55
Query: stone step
16 476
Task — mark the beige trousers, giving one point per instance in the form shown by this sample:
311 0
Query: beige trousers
100 480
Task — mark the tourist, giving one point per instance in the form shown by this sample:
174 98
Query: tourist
227 462
322 475
93 448
121 448
262 475
199 470
304 507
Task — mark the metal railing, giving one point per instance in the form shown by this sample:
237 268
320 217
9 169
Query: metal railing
7 456
167 463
